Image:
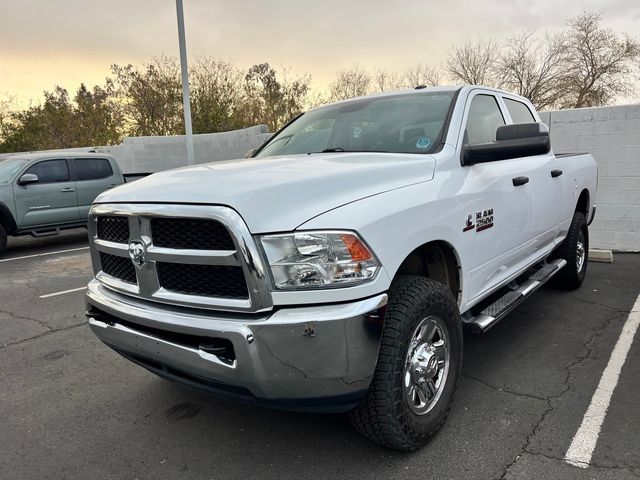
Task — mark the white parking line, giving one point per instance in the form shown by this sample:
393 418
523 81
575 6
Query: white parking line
49 295
584 442
43 254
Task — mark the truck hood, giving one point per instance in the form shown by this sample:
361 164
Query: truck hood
279 193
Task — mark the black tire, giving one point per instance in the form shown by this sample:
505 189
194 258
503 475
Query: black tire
573 273
3 238
384 414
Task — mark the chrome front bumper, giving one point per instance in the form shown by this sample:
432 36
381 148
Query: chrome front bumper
287 356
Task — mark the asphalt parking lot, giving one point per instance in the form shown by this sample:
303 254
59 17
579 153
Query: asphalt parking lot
71 408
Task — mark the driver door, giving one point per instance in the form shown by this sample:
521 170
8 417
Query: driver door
498 209
52 200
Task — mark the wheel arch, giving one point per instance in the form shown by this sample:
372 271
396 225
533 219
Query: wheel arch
583 202
6 219
437 260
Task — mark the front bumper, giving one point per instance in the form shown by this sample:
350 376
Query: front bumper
309 358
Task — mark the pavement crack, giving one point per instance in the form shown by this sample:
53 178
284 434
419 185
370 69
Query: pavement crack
632 469
21 317
503 389
43 334
587 351
598 304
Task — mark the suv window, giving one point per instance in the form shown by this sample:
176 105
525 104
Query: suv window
50 171
92 168
519 112
483 120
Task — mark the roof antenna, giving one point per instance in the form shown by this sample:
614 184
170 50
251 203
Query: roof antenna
420 87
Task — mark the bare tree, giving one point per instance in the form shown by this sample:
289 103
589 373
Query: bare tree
6 108
473 63
352 82
534 68
421 74
385 80
599 64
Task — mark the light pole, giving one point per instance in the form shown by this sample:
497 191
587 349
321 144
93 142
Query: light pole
186 102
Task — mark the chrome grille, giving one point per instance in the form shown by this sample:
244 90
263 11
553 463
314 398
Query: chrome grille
194 255
210 280
190 233
113 229
118 267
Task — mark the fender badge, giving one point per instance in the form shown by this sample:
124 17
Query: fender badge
470 225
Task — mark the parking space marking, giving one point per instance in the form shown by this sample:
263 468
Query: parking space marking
43 254
585 439
49 295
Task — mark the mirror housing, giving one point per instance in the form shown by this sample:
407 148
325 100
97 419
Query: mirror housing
512 141
28 178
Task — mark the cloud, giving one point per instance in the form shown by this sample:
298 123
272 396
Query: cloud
43 43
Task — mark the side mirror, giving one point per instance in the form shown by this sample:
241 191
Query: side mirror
249 153
512 141
28 178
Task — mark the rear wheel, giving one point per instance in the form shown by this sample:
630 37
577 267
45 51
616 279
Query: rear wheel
418 366
3 238
575 250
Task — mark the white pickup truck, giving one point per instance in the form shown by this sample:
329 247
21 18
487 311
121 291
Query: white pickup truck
335 269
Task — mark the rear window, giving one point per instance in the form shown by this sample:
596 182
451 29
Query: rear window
92 168
519 112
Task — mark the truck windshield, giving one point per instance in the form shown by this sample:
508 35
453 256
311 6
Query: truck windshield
9 167
405 123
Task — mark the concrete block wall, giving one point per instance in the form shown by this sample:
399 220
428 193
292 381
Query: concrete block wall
153 154
612 136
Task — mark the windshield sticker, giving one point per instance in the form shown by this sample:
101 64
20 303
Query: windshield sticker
423 143
356 132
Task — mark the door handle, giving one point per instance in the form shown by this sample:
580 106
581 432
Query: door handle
556 173
520 181
66 190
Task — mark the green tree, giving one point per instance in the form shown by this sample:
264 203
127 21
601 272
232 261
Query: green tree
151 97
271 101
91 119
216 96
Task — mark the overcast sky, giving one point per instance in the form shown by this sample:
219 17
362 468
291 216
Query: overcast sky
49 42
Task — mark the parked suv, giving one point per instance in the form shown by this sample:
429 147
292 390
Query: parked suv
43 193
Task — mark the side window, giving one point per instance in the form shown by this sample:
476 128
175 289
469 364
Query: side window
483 120
92 168
50 171
519 112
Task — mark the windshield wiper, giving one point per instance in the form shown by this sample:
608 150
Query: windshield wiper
329 150
340 149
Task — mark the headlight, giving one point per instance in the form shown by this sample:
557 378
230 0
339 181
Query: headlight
318 259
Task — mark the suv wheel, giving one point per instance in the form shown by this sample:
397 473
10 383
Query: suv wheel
575 250
418 366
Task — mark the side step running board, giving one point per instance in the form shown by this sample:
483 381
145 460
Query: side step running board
505 304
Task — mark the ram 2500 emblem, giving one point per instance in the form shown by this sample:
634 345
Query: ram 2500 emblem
138 253
484 220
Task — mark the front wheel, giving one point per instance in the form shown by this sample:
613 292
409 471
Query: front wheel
575 250
418 366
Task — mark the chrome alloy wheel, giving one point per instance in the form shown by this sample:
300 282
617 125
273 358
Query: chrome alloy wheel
581 253
427 365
